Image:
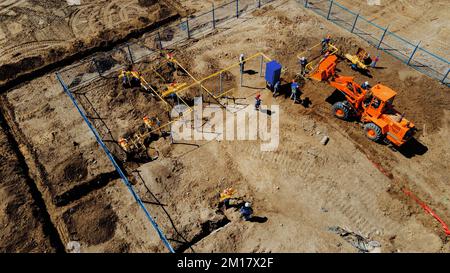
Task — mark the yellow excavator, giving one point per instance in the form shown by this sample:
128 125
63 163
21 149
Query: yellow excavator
361 60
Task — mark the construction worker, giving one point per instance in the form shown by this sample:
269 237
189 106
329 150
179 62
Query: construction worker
327 53
303 63
246 211
365 85
325 42
257 101
242 62
150 122
276 88
374 61
367 97
124 144
158 124
226 197
123 77
294 89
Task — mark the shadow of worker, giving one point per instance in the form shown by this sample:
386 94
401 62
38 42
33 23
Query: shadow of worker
258 219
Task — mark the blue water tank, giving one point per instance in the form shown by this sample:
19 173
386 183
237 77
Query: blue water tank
273 72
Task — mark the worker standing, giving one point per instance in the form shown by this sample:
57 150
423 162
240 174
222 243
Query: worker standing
303 63
246 211
123 76
325 42
242 62
276 88
257 101
365 85
294 89
374 61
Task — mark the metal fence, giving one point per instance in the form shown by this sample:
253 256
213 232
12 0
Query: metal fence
102 65
149 46
380 37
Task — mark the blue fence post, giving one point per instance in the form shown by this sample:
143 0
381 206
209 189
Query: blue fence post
382 37
354 23
187 28
116 166
159 40
214 16
412 54
259 3
237 8
329 10
306 3
445 77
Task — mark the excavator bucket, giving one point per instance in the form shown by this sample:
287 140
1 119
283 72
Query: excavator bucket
325 69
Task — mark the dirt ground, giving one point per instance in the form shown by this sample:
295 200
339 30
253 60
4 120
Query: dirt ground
298 192
21 218
420 20
36 33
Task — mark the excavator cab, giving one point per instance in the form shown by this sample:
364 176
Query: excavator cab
383 121
381 96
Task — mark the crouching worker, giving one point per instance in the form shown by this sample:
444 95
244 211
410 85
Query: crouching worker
135 80
257 102
246 211
226 198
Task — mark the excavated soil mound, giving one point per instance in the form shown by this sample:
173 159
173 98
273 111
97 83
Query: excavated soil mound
92 222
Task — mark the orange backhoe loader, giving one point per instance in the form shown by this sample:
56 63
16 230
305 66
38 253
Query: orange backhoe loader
373 107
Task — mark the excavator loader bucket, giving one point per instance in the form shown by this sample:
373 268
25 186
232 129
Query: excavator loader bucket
325 69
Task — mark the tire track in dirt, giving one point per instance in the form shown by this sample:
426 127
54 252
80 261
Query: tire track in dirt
89 19
322 112
15 53
307 160
5 6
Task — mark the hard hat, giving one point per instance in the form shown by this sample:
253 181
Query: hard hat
247 204
302 58
328 36
366 83
258 96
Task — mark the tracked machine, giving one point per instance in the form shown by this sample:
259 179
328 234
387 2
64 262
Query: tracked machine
373 107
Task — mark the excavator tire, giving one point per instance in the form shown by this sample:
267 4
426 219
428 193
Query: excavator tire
373 132
340 111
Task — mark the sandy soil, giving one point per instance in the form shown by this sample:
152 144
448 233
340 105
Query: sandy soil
21 220
422 20
36 33
361 197
302 189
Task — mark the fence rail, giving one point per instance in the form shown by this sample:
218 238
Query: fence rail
75 77
149 46
380 37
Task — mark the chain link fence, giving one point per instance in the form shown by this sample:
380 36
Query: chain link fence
380 37
103 65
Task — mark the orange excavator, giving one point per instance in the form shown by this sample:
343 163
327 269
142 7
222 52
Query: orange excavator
372 106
